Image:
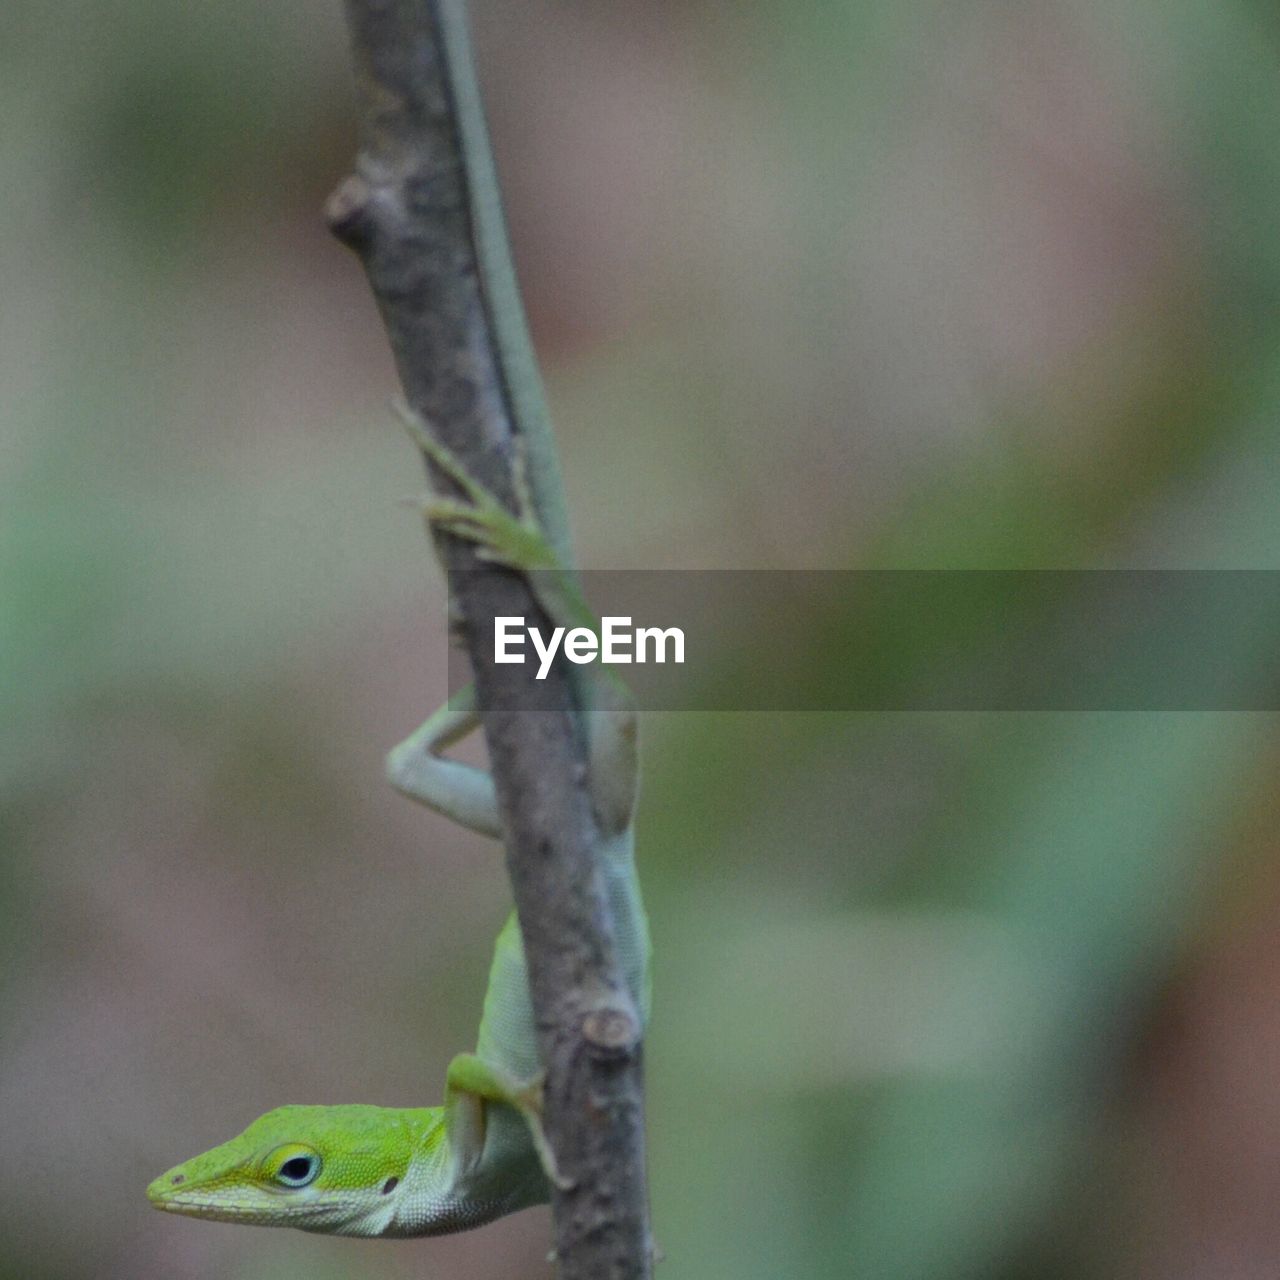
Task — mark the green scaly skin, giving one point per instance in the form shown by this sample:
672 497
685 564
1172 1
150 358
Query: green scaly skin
378 1171
352 1171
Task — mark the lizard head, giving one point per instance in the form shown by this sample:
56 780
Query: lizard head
329 1169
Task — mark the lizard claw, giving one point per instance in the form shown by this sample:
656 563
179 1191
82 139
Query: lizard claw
529 1102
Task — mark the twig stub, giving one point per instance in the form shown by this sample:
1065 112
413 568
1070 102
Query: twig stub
347 212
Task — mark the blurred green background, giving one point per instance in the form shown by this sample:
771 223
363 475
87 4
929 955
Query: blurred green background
867 284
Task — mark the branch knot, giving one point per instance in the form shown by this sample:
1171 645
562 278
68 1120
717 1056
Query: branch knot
349 212
611 1031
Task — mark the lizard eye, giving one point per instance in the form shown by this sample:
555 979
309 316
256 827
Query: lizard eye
298 1169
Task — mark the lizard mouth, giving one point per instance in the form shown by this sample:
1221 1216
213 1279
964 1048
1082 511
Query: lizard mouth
192 1203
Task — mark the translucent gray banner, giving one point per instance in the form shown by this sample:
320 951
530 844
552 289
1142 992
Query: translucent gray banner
945 640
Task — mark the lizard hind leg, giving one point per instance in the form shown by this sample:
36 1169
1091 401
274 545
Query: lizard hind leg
515 540
612 754
461 792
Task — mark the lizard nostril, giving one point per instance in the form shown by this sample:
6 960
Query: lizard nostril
177 1178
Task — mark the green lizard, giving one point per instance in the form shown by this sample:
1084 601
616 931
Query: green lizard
364 1170
378 1171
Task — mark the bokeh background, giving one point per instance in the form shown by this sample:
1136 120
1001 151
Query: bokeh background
872 283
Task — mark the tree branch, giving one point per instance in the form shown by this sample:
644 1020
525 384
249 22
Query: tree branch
407 211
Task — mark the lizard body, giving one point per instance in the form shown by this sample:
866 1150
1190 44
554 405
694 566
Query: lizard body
378 1171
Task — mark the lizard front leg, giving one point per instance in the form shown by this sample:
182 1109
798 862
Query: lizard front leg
471 1084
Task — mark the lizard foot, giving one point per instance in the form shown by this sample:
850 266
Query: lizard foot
513 540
